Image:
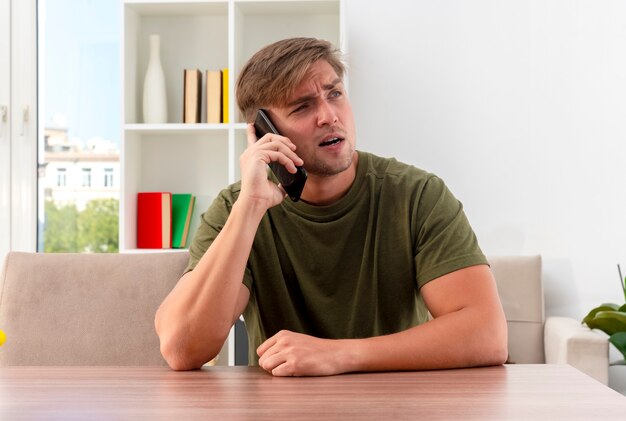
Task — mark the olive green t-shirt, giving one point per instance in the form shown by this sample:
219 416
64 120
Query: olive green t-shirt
352 269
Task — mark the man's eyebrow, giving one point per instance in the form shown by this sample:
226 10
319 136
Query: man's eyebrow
332 84
305 98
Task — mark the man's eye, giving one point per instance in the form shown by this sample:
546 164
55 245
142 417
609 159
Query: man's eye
300 108
335 94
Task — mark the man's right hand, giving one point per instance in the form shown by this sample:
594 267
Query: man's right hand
255 185
194 319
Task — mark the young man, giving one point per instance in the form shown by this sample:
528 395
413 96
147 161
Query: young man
342 280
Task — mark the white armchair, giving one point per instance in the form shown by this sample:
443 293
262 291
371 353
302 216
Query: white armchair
536 339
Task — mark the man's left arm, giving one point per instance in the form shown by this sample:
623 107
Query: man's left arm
468 329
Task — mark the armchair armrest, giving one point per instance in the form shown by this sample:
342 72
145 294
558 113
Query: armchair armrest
567 341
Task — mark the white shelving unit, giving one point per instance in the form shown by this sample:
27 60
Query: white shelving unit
198 158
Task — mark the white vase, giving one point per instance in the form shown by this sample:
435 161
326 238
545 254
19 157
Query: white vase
154 96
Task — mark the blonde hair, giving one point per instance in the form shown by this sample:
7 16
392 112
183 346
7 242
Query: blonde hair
271 75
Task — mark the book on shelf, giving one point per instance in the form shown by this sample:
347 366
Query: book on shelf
182 212
154 220
225 95
192 96
201 205
213 96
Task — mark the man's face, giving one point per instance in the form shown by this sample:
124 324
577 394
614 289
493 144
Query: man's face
318 120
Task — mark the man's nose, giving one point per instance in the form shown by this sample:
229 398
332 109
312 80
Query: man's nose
326 114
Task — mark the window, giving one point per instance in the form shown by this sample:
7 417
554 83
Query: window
108 177
18 128
61 177
79 113
86 177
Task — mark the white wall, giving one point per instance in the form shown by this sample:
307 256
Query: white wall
520 106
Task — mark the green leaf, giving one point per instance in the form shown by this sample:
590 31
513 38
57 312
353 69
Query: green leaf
604 307
619 340
610 322
622 308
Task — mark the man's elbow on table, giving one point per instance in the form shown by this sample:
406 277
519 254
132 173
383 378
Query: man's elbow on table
493 347
484 346
183 357
486 341
182 353
497 353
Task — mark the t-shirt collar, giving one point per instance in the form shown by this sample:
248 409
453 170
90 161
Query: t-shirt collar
338 208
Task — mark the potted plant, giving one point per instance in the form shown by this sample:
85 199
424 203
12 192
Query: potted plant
611 319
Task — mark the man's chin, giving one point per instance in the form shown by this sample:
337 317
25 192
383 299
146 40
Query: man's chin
328 169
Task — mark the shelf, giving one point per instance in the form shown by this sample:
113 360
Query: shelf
176 128
170 8
192 35
139 251
288 8
181 128
259 23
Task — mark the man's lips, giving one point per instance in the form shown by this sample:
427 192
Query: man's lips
331 139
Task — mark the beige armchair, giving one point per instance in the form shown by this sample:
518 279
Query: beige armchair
98 309
84 309
536 339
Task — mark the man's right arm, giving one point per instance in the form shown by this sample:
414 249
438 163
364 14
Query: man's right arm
195 318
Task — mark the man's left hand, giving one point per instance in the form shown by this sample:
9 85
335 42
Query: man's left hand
294 354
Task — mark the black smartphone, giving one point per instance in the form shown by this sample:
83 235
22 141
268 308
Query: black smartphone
292 183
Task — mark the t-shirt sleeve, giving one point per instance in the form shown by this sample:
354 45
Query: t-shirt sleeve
211 224
444 239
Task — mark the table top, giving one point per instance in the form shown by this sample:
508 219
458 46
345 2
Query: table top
520 392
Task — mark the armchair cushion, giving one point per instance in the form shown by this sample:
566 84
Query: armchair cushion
569 342
84 309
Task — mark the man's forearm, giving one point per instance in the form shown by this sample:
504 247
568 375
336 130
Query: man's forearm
469 328
195 318
465 338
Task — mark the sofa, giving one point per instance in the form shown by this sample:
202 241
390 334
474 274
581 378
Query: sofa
98 309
